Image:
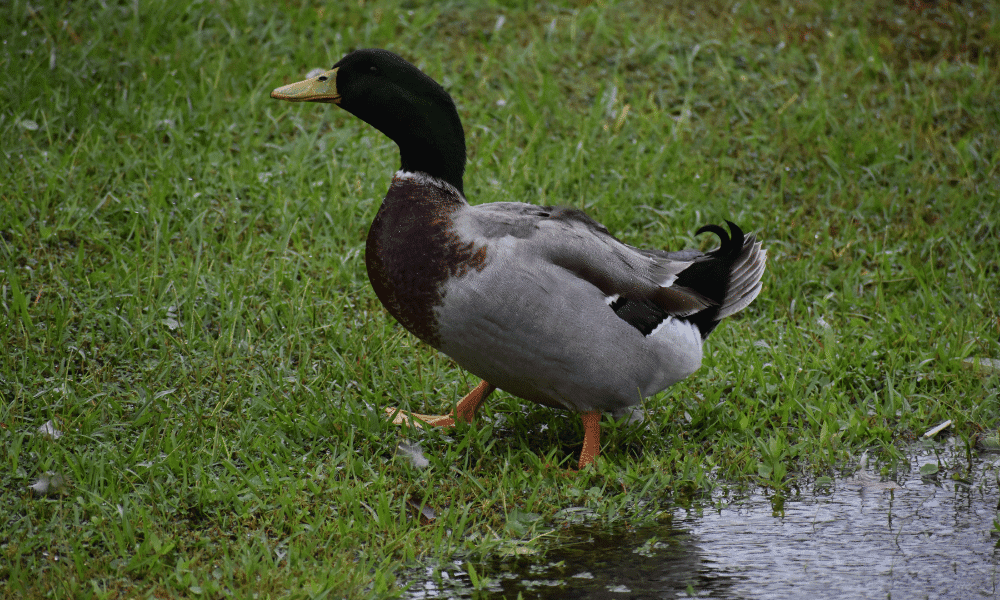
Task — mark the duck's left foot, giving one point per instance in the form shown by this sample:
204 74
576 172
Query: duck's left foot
412 419
465 411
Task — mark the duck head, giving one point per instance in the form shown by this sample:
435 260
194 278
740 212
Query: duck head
395 97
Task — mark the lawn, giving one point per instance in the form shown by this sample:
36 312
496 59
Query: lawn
194 365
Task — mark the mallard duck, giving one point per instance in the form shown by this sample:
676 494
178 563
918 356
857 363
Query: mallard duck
541 302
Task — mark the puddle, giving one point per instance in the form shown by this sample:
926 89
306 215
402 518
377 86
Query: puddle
915 538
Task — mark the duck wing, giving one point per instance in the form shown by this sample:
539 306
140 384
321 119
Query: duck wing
643 287
568 238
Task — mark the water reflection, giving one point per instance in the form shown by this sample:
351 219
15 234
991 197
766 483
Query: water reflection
862 539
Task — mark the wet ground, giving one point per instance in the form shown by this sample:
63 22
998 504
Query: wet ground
860 537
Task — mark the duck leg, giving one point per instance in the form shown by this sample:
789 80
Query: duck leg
464 412
591 437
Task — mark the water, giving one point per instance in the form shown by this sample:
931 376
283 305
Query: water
913 538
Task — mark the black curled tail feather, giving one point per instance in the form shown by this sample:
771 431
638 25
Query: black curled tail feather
731 245
737 259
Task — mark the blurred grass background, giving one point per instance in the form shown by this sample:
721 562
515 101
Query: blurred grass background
185 314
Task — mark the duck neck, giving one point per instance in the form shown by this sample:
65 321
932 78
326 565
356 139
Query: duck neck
430 136
434 145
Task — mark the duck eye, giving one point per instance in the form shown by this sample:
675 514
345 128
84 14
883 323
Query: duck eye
322 78
373 69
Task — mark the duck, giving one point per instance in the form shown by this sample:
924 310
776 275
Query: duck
542 302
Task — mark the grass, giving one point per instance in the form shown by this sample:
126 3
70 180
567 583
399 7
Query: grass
183 297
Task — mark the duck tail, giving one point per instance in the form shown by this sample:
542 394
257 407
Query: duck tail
729 276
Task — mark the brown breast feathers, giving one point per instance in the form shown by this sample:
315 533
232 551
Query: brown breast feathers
412 250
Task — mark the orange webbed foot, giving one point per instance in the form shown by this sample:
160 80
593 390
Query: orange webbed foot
591 438
465 411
